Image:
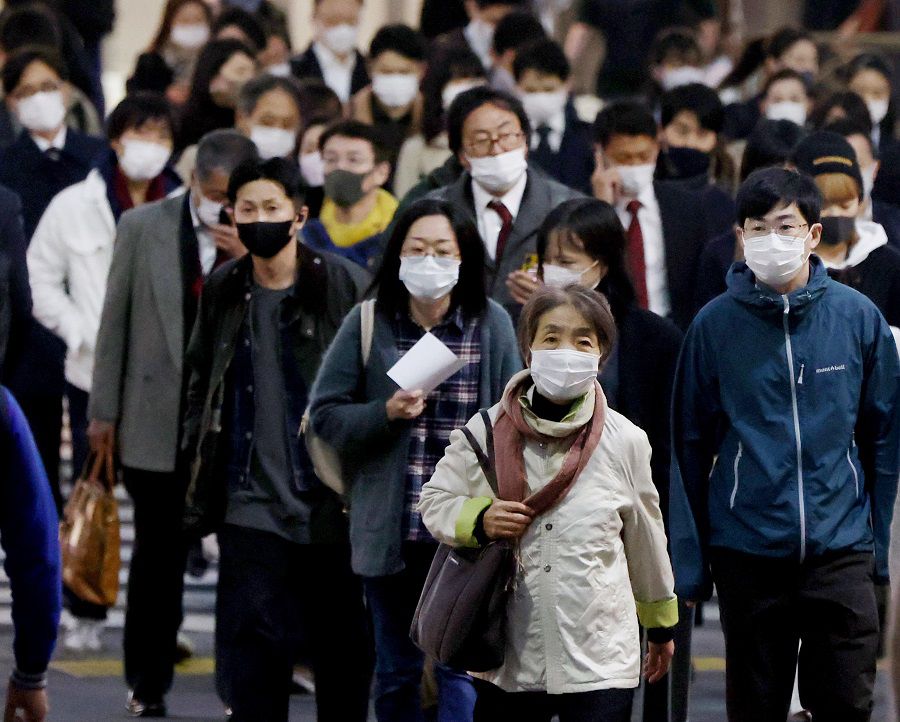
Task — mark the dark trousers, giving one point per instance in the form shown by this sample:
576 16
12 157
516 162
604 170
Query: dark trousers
155 581
275 596
602 705
44 415
768 606
399 663
667 699
78 423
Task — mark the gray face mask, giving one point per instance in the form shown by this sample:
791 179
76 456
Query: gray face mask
344 187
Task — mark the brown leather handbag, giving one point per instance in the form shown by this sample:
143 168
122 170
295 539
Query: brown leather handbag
89 534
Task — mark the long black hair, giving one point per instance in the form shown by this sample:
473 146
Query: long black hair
594 226
469 293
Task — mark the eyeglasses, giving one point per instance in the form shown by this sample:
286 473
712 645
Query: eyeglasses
757 230
482 143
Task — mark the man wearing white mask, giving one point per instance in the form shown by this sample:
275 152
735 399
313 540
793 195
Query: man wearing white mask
268 112
488 131
665 225
786 454
333 57
560 141
162 253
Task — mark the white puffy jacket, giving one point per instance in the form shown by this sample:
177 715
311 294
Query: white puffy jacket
590 565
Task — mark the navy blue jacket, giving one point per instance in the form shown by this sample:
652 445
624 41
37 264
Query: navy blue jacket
366 253
785 433
29 532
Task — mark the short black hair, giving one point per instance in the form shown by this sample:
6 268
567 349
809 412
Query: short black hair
770 188
256 88
770 143
679 44
784 39
623 118
401 39
517 30
785 74
136 109
224 150
867 61
318 100
249 25
362 131
31 24
489 3
17 63
452 63
468 102
544 56
694 98
469 292
278 170
848 126
850 104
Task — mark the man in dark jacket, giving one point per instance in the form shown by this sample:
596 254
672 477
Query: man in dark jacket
15 292
263 325
28 529
785 460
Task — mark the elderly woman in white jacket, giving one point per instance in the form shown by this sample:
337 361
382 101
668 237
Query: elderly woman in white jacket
595 562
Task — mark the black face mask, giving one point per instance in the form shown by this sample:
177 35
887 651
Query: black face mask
837 229
265 239
688 162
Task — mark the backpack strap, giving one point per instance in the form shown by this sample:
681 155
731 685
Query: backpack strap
485 461
367 328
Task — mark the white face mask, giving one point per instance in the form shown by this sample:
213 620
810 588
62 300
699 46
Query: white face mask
560 277
395 90
208 211
42 112
499 173
272 142
541 108
563 374
453 89
340 39
143 160
280 70
636 178
189 36
877 109
312 169
684 75
775 259
429 277
787 110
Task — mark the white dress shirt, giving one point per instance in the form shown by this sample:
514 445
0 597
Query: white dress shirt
557 126
205 241
337 73
654 248
489 223
58 142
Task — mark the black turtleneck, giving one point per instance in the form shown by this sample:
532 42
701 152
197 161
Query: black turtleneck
549 410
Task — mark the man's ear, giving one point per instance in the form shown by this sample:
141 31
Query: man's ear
463 161
815 231
302 216
739 237
381 173
242 123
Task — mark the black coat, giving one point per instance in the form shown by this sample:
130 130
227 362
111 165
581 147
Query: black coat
306 65
573 163
15 292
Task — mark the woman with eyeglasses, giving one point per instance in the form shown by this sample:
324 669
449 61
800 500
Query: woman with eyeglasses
431 281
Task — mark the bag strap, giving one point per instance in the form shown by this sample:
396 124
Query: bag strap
485 461
95 466
366 328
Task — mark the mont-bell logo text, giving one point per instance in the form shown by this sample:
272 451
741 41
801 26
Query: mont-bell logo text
831 369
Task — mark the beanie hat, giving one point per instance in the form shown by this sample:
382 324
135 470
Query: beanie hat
825 151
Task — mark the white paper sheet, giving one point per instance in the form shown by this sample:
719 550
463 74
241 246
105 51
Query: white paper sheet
426 365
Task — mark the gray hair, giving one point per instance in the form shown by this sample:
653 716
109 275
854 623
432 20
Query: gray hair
254 89
223 150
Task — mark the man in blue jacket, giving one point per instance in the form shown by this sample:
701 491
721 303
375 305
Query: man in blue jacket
785 460
28 531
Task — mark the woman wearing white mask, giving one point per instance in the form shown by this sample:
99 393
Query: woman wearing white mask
786 97
870 77
431 280
453 72
68 262
579 503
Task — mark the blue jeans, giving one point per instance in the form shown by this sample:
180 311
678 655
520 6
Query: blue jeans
392 602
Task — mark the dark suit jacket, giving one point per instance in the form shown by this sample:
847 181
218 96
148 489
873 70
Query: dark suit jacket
15 292
573 163
542 195
685 234
306 65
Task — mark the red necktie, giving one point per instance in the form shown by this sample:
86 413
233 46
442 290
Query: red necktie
507 219
635 253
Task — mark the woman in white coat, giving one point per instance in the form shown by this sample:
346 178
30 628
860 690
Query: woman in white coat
592 564
68 261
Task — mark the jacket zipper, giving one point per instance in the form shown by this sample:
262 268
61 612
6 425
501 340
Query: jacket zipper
800 380
853 468
790 360
737 460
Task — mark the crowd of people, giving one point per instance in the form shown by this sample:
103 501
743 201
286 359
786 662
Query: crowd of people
674 301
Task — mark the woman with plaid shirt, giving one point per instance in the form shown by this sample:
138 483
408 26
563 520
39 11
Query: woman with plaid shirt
431 280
